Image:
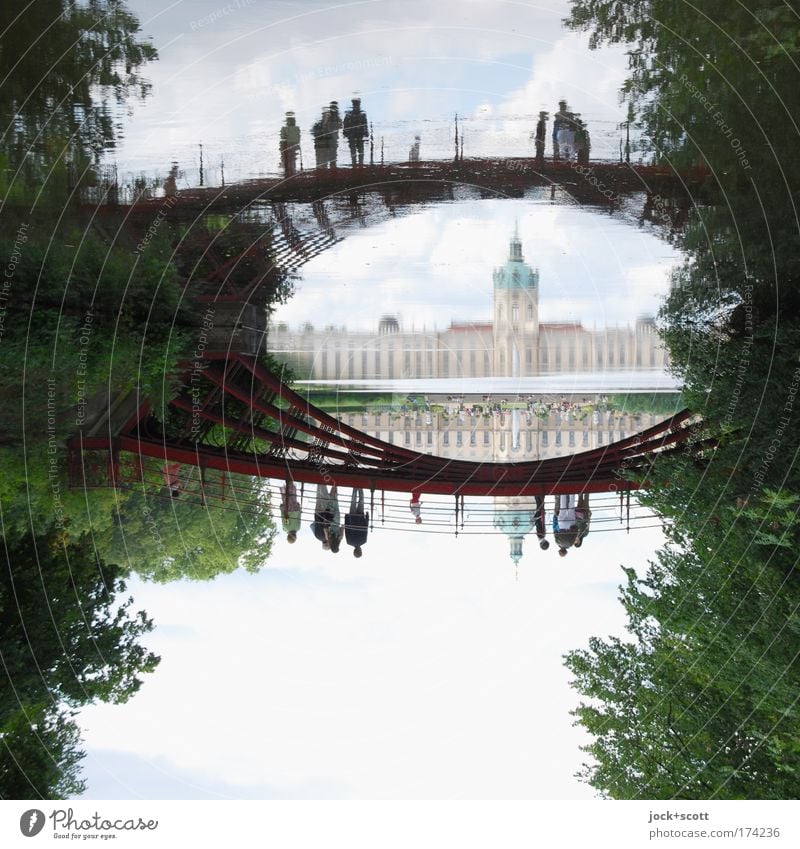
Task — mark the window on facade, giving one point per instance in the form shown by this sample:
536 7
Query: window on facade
572 439
446 364
473 438
459 364
622 356
486 437
558 357
486 367
377 363
430 437
572 358
545 357
545 439
406 364
558 437
515 312
530 312
585 438
407 439
419 437
445 438
529 356
459 438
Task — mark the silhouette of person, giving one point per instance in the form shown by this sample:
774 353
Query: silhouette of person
561 120
291 511
413 153
171 181
319 131
326 526
541 134
583 144
416 508
356 522
564 520
332 133
289 145
540 524
583 516
356 129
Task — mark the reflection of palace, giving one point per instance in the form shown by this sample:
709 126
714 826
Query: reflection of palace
507 436
515 344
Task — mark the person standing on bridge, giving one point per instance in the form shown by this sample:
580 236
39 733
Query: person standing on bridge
332 133
416 508
356 522
564 520
289 145
327 524
540 524
320 133
583 516
541 135
413 153
291 511
561 120
356 129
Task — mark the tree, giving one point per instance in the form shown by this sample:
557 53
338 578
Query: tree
40 755
67 637
65 68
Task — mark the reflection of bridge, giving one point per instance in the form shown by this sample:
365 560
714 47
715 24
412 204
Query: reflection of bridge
236 417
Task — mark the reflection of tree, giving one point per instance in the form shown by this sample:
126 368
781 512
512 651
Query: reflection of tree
68 640
64 68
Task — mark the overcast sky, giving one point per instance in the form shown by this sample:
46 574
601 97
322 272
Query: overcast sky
423 670
226 78
435 265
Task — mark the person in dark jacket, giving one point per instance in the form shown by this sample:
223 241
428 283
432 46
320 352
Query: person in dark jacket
356 522
541 134
356 129
539 521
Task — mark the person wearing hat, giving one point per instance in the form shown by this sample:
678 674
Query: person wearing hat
289 145
356 129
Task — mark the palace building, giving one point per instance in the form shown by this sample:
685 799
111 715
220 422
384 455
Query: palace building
513 344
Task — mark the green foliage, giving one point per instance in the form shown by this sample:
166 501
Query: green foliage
39 754
68 640
701 700
65 69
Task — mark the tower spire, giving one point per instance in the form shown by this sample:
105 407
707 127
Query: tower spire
515 246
